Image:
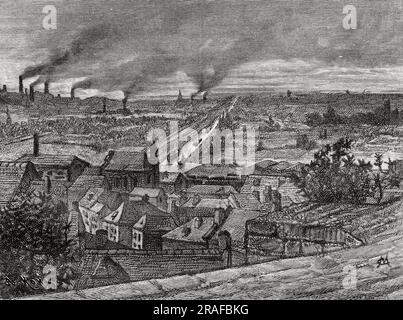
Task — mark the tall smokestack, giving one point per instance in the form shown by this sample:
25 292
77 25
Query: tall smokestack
124 101
26 91
36 145
21 89
4 88
205 96
72 93
31 93
104 105
46 87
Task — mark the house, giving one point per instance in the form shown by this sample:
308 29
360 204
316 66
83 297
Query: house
125 170
274 188
96 204
168 181
17 178
272 168
173 200
138 225
220 174
155 196
55 167
198 233
235 225
183 214
396 167
246 201
212 191
90 178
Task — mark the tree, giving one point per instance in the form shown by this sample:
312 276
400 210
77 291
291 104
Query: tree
33 234
334 175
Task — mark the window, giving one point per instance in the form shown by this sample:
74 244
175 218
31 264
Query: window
137 239
113 234
125 183
133 182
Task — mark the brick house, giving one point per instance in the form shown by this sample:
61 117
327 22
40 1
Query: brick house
138 225
125 170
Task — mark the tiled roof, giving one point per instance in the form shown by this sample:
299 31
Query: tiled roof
133 211
50 159
247 201
213 203
190 233
88 181
151 192
168 177
211 189
11 174
215 171
126 161
235 224
101 201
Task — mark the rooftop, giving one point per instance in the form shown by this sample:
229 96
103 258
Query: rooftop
130 212
215 171
126 160
151 192
59 160
190 232
11 174
235 224
211 189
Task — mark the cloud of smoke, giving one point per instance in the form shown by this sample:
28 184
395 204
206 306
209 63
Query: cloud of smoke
138 43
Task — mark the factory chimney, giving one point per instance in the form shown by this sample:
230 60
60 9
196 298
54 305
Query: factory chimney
26 91
124 101
46 87
72 93
21 89
205 96
104 104
4 88
36 145
31 93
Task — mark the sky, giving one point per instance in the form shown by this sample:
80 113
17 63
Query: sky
156 47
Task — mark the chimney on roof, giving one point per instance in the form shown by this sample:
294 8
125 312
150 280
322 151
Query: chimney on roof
277 201
197 222
267 194
218 217
4 88
21 88
46 87
31 93
195 200
48 185
36 145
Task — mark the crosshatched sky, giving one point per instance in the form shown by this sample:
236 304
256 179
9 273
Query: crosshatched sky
252 45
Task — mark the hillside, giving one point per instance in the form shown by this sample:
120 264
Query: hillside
297 278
